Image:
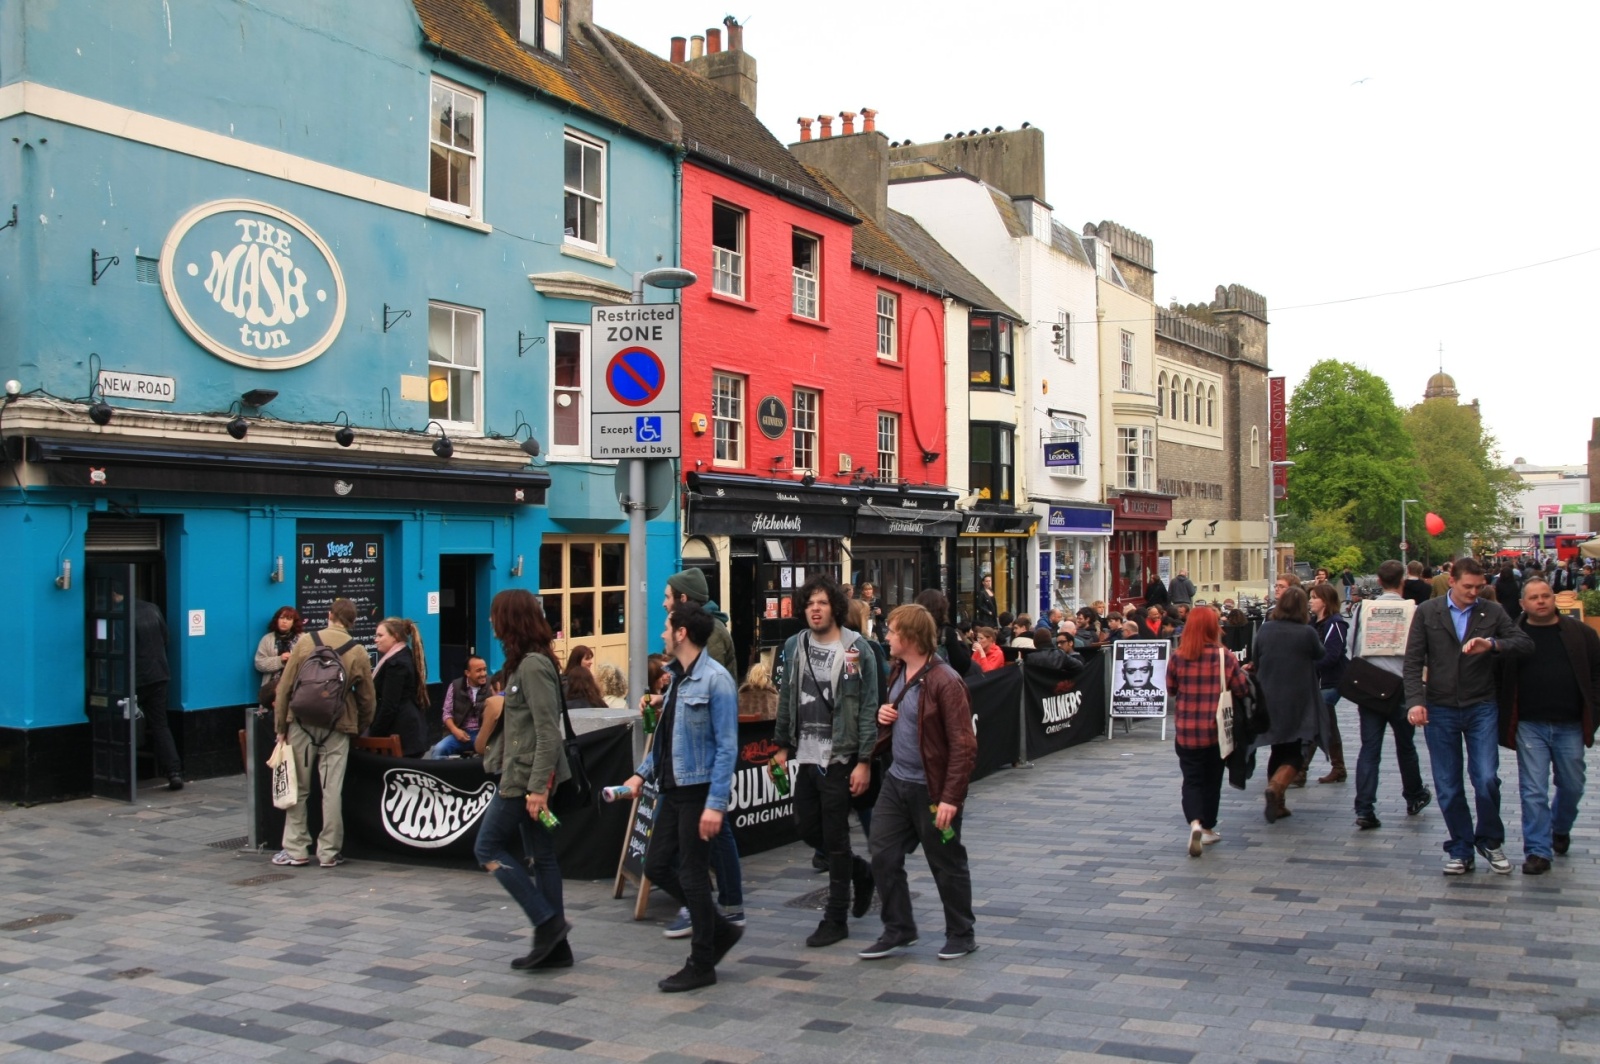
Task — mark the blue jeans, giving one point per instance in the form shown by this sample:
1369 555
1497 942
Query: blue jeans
538 894
450 746
1542 747
1373 725
1475 727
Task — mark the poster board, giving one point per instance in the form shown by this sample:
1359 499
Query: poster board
1139 678
340 565
636 843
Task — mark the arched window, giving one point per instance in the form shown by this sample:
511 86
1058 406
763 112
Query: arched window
1211 406
1173 394
1188 398
1161 390
1255 446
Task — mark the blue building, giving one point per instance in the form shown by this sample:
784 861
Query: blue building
341 262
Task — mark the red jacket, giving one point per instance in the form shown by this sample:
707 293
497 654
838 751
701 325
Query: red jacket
944 733
989 661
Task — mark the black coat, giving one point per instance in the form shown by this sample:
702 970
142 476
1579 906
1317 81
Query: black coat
1583 651
150 644
398 712
1155 593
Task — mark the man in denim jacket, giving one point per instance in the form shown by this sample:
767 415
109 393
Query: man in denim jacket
827 727
691 762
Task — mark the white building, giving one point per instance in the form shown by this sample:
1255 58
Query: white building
1538 519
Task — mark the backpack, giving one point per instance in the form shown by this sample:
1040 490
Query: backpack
318 695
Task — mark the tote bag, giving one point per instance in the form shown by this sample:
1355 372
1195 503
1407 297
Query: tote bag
1224 708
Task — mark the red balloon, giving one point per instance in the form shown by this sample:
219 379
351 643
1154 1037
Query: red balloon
1435 524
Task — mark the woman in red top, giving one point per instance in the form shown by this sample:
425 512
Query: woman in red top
1195 678
985 654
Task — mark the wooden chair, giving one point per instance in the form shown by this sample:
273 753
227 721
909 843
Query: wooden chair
388 745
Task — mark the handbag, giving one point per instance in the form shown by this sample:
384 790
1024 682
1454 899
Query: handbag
575 792
1224 708
1371 687
285 784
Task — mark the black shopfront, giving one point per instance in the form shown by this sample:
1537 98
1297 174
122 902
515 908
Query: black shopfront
992 544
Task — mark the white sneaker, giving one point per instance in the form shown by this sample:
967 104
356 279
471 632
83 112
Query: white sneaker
1499 863
1195 834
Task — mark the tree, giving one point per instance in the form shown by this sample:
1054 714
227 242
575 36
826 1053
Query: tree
1350 446
1324 539
1462 480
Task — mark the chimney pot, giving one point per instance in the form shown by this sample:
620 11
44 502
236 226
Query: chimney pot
697 46
735 34
847 121
713 41
869 120
826 122
679 44
805 128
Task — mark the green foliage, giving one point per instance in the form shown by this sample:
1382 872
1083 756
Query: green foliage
1351 448
1591 603
1324 539
1461 480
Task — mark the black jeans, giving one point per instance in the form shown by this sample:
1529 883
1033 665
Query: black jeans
1202 768
822 814
678 863
900 821
153 704
1373 725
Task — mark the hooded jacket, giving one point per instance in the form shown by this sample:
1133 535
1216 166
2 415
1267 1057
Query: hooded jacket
691 583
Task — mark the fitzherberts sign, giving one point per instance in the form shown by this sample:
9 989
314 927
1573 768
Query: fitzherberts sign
252 284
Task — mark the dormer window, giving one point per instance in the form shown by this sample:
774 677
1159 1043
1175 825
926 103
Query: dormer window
541 25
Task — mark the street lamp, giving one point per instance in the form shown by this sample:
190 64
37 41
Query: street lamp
1272 518
1405 545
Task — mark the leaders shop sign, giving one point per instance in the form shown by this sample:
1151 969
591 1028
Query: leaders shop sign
252 284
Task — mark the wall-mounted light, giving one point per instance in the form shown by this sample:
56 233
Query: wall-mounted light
516 570
809 479
1211 529
258 397
100 412
442 447
276 576
1183 529
530 446
930 457
238 428
64 581
344 436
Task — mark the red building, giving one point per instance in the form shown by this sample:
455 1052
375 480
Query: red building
813 379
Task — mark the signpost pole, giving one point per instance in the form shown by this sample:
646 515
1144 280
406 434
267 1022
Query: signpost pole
638 587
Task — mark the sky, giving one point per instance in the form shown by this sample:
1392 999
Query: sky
1313 153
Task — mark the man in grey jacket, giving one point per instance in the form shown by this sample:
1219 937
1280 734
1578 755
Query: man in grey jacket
1455 639
1181 590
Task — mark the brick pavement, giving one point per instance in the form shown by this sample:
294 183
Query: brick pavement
1301 941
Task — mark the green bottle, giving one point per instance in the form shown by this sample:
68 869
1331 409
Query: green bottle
780 777
649 718
948 833
548 819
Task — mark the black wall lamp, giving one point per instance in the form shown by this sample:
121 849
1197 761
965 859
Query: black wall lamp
930 457
344 436
530 446
442 447
100 412
809 479
258 397
238 428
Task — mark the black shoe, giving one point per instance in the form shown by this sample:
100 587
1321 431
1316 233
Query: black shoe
688 978
819 862
863 885
1419 803
1534 865
560 957
886 947
1366 822
175 782
1561 843
727 937
546 937
954 950
827 933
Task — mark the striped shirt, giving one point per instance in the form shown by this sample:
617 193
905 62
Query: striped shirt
1196 687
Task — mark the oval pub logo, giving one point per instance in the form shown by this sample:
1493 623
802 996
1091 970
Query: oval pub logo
252 284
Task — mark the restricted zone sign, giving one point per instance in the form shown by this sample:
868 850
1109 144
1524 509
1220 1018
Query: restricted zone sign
635 355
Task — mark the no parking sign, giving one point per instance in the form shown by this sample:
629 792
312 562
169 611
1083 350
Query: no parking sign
635 354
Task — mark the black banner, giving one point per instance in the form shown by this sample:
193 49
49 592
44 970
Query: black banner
761 820
996 711
1064 711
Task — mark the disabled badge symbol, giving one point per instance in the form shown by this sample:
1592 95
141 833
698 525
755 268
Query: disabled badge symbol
647 429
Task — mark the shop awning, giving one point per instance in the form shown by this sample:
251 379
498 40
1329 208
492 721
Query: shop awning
118 464
981 523
877 520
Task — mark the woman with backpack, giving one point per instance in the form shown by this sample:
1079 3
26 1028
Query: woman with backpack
401 680
527 751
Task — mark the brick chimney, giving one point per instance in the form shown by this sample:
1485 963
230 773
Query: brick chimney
680 47
857 162
732 70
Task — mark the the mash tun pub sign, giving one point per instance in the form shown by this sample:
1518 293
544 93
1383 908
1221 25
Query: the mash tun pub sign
252 284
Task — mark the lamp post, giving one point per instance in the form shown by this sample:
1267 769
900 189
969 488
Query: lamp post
1272 518
1405 544
668 277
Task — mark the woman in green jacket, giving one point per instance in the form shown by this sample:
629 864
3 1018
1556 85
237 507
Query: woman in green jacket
527 752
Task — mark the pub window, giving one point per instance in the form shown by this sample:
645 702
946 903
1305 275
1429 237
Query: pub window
453 149
727 250
1127 361
806 405
888 317
989 352
888 447
585 192
455 344
583 586
727 416
807 264
991 463
541 25
1136 458
569 400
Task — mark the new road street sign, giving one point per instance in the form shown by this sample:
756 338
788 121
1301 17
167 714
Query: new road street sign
635 354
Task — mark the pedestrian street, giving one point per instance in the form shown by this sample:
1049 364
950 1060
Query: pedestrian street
138 934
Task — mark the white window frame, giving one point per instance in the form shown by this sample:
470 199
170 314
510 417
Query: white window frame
727 419
807 438
1161 391
535 30
453 427
473 209
1255 446
1136 457
807 285
580 394
1188 400
1211 406
1064 320
1127 361
572 136
888 447
1518 523
1552 522
727 264
888 326
1147 465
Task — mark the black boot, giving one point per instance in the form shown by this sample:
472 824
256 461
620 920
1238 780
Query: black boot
840 870
862 881
560 957
546 937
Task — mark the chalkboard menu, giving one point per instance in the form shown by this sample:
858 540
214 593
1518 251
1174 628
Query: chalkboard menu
639 829
334 565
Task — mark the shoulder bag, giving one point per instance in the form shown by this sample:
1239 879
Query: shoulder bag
1224 708
575 792
1370 687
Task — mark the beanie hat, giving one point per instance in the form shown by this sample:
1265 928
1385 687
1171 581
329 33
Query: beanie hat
692 584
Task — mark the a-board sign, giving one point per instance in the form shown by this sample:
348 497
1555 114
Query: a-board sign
639 831
1139 677
341 565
